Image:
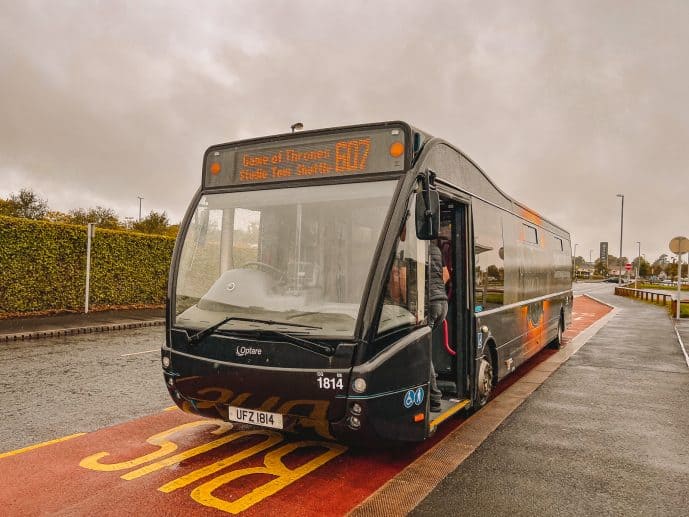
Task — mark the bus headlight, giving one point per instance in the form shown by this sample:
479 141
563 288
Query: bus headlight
166 361
359 385
356 409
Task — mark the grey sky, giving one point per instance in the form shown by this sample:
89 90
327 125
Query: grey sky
564 104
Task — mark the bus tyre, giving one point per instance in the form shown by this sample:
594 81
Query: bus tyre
485 380
557 342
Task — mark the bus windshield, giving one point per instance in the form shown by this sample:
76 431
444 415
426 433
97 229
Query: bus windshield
293 255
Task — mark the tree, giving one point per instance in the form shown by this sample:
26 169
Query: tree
103 217
8 208
644 267
154 222
26 204
493 271
600 268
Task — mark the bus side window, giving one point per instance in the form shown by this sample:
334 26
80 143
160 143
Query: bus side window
489 271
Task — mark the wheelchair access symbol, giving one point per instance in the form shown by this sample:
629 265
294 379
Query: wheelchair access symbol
413 397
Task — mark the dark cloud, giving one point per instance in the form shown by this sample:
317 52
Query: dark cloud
564 104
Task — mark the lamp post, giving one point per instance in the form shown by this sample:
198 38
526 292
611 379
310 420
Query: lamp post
575 261
140 198
638 266
619 280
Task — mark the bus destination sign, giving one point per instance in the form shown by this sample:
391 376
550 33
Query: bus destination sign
331 155
340 157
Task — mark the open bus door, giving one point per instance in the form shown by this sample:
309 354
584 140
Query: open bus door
451 348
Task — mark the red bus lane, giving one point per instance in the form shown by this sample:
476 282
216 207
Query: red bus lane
173 463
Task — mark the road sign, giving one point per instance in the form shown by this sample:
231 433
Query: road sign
628 266
679 245
604 253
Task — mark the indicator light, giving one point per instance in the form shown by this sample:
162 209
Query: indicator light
215 168
356 409
359 385
354 422
419 417
170 382
396 149
166 361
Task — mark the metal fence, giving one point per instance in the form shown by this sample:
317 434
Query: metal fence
641 294
666 299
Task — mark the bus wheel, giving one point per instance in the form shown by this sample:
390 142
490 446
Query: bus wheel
485 380
557 342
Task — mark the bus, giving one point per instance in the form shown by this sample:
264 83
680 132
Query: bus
298 294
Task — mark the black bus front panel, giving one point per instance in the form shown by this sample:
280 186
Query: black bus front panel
313 392
394 404
222 371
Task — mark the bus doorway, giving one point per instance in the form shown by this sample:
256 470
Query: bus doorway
451 338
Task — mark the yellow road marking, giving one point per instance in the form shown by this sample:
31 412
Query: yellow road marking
271 439
166 447
38 445
177 458
274 466
171 408
447 414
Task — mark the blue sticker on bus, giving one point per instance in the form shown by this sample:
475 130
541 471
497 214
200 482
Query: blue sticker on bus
409 399
418 396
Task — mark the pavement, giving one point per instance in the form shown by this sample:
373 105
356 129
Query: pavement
682 328
604 435
19 329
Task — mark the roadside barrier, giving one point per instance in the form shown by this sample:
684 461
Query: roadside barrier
665 299
648 296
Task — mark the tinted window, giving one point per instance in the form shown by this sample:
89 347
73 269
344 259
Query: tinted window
530 234
489 256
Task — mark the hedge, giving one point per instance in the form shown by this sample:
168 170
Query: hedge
43 266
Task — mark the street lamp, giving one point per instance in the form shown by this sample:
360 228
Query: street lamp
619 280
638 266
575 261
140 198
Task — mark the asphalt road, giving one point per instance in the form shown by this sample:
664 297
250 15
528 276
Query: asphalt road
59 386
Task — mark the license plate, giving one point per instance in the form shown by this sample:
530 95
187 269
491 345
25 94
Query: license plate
255 417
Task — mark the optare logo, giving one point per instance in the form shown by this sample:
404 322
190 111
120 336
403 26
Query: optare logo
231 286
242 351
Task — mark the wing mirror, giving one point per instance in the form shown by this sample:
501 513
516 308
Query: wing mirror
427 208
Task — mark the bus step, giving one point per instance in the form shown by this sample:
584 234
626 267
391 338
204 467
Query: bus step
448 407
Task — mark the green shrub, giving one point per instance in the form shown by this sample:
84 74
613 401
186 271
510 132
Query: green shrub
43 266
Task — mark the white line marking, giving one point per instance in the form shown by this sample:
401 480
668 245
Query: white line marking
681 343
144 352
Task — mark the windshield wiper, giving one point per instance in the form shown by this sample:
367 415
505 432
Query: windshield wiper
195 339
308 344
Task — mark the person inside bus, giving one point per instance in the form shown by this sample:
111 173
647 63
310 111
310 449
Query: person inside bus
438 300
437 307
